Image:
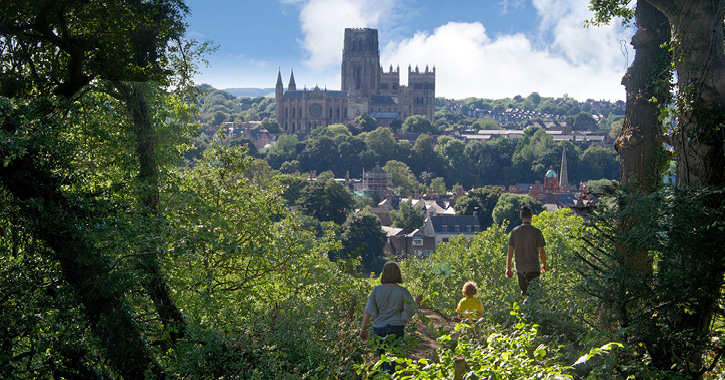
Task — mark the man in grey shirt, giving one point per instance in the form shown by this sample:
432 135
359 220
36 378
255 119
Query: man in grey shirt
526 243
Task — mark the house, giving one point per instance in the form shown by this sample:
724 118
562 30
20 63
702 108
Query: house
261 138
401 244
445 227
395 241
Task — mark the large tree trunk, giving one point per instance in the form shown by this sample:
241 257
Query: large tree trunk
59 223
136 97
640 148
697 34
699 143
647 84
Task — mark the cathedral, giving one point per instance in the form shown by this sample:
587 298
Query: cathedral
366 89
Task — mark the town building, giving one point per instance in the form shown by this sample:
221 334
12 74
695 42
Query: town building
366 90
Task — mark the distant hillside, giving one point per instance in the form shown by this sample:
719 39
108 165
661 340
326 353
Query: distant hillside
251 92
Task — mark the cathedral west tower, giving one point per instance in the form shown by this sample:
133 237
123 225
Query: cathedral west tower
361 62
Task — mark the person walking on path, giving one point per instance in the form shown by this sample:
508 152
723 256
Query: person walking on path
390 306
526 244
469 307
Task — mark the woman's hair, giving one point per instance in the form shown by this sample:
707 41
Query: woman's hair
469 289
391 274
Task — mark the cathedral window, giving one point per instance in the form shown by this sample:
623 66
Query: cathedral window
338 112
285 111
330 112
293 112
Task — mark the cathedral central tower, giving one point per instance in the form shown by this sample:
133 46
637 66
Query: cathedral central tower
361 62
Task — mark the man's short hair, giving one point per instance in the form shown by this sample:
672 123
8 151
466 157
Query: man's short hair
526 213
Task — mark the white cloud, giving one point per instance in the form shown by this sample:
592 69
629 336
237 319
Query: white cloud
259 63
507 6
564 58
323 23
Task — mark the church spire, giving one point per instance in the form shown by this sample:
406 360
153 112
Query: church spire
292 86
279 88
563 175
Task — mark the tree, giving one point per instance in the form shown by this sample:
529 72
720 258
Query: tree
418 123
247 144
328 201
366 123
508 207
259 172
481 202
485 123
381 144
439 185
291 186
271 125
330 131
584 122
407 217
218 118
52 52
403 178
284 149
424 157
699 60
319 154
362 237
535 98
599 163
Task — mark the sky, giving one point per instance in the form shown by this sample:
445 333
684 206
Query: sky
480 48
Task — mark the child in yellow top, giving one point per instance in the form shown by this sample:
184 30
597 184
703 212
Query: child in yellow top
469 306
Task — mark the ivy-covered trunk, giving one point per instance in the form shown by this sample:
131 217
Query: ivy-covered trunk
60 220
642 155
136 97
699 144
647 84
697 35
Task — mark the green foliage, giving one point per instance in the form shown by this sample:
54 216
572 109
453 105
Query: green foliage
509 205
407 217
403 179
485 123
292 186
600 163
482 260
606 10
326 201
330 131
362 237
584 121
418 123
439 185
661 249
366 123
271 125
512 354
479 201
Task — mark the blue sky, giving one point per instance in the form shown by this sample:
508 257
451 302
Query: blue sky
481 48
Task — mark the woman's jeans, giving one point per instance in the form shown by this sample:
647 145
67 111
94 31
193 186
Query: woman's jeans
394 333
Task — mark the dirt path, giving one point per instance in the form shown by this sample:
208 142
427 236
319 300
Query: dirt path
428 344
